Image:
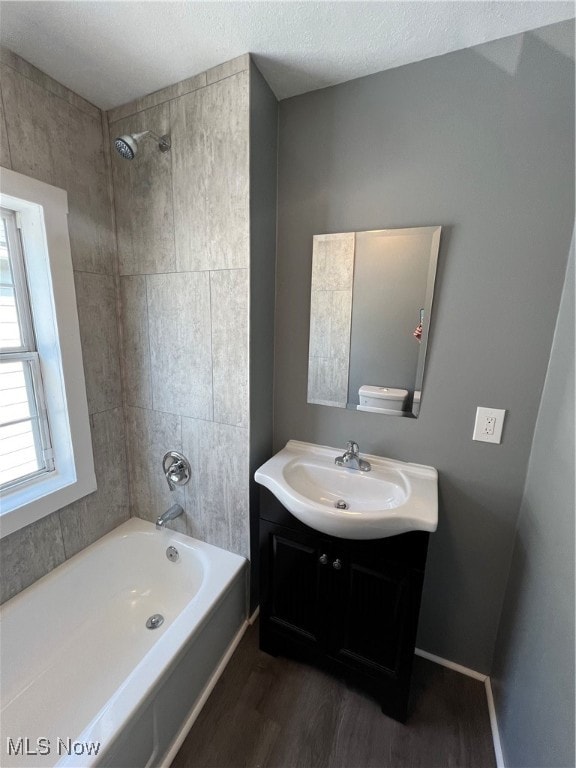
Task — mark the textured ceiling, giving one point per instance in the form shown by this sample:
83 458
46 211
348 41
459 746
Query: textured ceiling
113 52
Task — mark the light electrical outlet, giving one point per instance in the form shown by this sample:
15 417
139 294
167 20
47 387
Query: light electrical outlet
488 425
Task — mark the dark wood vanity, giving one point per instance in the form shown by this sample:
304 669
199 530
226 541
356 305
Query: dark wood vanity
348 606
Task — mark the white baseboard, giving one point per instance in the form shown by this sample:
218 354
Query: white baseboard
451 665
494 725
208 688
489 698
254 616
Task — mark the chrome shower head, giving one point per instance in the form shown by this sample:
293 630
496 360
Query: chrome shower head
127 144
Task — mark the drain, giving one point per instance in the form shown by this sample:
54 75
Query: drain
155 621
341 504
172 554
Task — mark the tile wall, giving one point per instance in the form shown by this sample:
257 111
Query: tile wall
171 280
183 225
53 135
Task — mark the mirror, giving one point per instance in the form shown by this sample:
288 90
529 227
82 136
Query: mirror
370 307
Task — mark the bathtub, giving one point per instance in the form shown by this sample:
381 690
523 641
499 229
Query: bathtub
85 683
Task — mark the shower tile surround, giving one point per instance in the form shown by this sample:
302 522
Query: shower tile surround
183 223
163 297
39 118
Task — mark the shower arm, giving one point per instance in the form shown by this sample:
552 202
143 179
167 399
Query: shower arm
163 141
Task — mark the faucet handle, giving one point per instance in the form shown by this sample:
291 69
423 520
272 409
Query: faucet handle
352 447
176 469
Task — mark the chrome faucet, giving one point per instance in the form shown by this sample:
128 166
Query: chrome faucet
174 511
351 458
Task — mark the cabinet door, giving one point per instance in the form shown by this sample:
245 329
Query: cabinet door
374 629
293 583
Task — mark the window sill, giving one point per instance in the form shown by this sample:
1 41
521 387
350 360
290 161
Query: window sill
23 505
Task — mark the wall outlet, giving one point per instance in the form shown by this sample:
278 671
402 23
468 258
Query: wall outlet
488 425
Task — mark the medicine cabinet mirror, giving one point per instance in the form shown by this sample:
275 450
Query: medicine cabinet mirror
370 308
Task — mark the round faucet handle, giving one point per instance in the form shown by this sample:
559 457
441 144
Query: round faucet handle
176 468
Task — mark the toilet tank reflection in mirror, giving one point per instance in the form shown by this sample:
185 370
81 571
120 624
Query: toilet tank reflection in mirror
370 309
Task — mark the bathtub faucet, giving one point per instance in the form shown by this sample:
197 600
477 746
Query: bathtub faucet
174 511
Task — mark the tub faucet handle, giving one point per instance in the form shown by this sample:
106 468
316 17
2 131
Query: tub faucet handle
176 468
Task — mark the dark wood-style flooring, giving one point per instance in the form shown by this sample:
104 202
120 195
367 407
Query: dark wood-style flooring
270 712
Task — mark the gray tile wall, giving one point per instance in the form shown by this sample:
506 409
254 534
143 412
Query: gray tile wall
143 198
179 332
40 124
184 252
210 176
182 282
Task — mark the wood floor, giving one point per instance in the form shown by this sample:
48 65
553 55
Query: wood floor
270 712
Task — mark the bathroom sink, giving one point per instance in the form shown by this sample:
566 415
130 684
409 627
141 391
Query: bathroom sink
394 497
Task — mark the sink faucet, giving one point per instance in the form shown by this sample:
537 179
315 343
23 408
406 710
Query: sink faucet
351 458
174 511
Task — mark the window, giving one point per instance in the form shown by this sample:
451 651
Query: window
45 446
25 448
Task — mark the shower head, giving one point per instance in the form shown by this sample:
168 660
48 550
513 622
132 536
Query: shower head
127 144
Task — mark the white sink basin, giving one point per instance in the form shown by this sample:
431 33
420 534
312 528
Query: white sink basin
394 497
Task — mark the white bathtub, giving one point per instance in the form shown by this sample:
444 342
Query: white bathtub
79 666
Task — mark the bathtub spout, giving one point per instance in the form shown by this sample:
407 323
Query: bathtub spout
174 511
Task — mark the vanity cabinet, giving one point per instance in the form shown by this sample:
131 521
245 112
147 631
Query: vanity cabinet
349 606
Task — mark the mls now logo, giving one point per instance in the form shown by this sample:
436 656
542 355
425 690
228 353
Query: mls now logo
42 746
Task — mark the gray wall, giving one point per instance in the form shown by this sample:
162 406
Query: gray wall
51 134
480 141
263 183
533 675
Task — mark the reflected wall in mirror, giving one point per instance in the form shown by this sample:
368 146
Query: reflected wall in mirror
370 307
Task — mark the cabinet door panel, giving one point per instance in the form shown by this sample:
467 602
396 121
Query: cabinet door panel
295 585
369 632
292 598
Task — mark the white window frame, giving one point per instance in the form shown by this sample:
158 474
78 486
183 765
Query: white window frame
43 212
27 352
